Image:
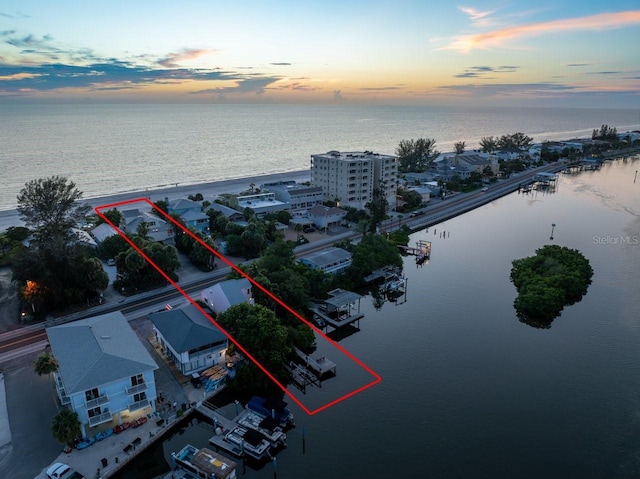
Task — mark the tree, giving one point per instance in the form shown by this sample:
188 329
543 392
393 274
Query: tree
65 426
416 155
554 277
49 207
488 144
113 215
45 364
459 147
378 206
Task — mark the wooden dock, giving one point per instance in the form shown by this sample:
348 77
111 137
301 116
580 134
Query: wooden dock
319 366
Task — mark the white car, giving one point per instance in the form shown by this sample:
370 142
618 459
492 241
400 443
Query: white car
485 189
57 470
60 470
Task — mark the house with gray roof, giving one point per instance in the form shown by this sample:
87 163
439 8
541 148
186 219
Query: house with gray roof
105 374
326 216
330 260
189 338
221 296
191 213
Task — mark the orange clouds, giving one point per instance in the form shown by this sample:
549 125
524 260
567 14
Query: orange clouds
497 38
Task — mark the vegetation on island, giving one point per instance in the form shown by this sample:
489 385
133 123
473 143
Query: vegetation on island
554 277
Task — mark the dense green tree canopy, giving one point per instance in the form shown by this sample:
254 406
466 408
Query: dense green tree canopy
554 277
416 155
49 207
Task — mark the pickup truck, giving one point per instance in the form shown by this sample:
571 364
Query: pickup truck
60 470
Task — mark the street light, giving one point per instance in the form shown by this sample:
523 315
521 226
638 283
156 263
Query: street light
553 225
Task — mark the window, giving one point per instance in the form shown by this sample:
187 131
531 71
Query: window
96 411
139 397
137 379
91 394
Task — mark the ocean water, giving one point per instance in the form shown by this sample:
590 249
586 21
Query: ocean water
107 149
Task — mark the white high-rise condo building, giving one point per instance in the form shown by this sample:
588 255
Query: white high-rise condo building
351 177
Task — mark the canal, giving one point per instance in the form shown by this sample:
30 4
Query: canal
467 389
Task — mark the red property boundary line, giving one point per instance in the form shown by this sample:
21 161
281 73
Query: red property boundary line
376 377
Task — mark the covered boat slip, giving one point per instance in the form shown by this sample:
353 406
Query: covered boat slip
341 308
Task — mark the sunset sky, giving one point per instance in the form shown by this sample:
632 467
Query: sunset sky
543 53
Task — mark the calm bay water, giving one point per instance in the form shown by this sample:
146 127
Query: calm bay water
470 391
107 149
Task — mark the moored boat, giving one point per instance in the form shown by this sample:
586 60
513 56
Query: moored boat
204 463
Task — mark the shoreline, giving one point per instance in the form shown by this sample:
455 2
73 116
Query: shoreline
209 190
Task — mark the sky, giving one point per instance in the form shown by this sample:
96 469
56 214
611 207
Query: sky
405 52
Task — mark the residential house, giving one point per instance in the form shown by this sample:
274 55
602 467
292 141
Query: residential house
104 372
159 229
477 162
229 213
299 197
191 213
189 338
330 260
326 217
103 231
221 296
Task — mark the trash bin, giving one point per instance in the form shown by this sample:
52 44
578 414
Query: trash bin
104 462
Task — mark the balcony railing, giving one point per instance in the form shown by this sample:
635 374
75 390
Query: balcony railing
100 418
138 405
99 401
138 388
62 394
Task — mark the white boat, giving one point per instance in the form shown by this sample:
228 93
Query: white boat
204 463
267 426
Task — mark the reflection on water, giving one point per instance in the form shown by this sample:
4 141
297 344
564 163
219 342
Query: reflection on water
468 390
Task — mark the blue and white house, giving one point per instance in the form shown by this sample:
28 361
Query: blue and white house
191 213
189 339
104 372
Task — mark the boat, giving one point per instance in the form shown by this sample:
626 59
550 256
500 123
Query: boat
276 408
204 463
104 434
251 442
267 426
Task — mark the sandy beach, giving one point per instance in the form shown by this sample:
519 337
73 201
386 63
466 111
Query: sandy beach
209 191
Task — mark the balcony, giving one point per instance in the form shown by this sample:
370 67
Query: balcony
100 418
135 406
99 401
138 388
62 394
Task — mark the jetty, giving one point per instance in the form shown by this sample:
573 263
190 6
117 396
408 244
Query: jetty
422 251
320 366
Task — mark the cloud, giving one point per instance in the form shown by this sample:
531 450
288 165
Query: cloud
281 64
381 88
579 64
603 73
498 38
509 89
483 71
254 85
478 18
174 59
14 16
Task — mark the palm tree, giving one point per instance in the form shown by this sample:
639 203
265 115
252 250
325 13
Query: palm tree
45 364
298 229
65 426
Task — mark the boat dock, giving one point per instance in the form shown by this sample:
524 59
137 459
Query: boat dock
340 309
422 251
320 366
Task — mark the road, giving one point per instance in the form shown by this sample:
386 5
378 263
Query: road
33 338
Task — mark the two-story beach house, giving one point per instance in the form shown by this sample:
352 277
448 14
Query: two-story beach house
329 260
301 198
104 372
189 339
158 229
191 213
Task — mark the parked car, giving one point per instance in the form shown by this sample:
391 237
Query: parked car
111 262
308 229
60 470
485 189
